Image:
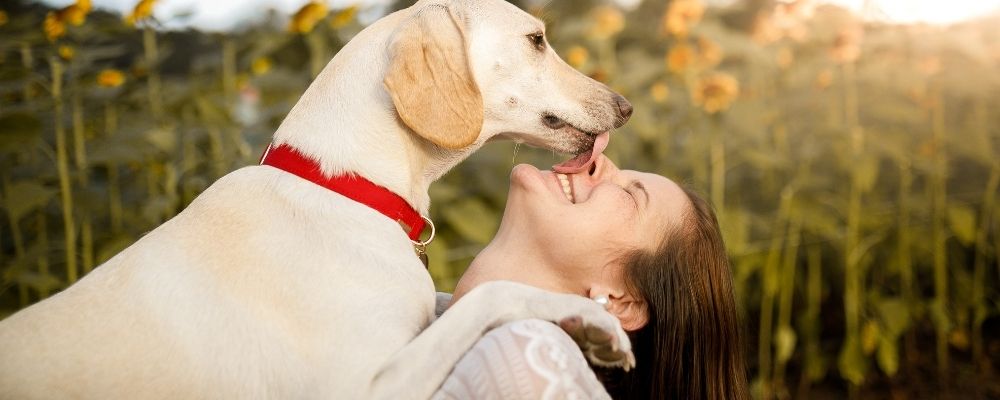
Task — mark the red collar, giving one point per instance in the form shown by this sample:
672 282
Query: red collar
351 186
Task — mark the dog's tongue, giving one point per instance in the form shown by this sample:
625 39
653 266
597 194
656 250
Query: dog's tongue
582 161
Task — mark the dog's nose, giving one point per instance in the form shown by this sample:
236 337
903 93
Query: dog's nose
624 108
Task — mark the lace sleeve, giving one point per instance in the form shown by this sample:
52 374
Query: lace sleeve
530 359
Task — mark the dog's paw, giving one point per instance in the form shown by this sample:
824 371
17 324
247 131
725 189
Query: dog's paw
603 347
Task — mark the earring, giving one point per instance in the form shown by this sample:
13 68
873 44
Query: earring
603 300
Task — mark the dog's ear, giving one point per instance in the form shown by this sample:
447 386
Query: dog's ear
430 80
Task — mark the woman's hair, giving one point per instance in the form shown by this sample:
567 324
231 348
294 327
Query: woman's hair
692 346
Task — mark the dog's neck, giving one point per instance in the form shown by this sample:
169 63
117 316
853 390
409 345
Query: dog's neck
346 121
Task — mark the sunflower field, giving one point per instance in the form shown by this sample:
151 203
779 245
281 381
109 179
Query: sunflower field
854 163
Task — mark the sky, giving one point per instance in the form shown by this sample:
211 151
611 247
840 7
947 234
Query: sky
225 14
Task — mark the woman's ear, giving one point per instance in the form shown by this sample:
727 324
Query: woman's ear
430 79
629 310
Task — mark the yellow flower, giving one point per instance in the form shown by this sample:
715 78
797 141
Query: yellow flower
307 17
3 18
110 78
343 17
66 52
785 57
715 92
75 14
709 53
53 26
680 58
142 10
824 79
846 46
261 66
606 21
660 92
577 56
929 66
681 16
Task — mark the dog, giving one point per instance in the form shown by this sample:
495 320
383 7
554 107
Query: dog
270 286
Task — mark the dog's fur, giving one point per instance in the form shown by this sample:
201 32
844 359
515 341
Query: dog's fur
268 286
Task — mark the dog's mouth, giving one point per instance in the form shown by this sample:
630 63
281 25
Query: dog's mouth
586 157
588 145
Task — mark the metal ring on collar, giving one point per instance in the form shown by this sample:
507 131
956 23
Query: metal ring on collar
433 231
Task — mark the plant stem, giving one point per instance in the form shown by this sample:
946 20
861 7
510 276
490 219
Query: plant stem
28 62
42 226
83 175
152 56
115 208
903 251
939 235
18 237
786 291
980 307
769 280
718 166
62 160
811 321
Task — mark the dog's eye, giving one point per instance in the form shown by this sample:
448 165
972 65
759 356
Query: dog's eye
537 40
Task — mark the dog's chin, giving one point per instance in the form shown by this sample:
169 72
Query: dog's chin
566 140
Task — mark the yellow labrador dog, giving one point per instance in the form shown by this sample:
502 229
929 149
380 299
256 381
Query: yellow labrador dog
270 286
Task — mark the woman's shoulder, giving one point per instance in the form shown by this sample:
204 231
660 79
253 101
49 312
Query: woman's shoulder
524 359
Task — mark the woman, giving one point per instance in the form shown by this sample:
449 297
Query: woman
637 242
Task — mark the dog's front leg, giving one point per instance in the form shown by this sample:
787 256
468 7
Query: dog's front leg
417 370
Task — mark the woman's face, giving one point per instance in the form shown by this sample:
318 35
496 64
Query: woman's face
585 222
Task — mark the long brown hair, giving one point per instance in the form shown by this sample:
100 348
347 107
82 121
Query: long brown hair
692 347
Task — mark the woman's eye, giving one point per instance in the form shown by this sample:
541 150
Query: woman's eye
537 40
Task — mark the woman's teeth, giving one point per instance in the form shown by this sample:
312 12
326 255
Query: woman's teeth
567 190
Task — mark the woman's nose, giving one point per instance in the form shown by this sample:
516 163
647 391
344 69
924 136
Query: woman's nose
602 168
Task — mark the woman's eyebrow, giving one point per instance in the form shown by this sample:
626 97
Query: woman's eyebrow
640 186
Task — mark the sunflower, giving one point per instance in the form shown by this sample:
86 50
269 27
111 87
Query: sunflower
142 10
660 92
66 52
307 17
846 46
715 92
680 58
607 21
53 26
681 15
709 53
110 78
343 17
261 66
577 56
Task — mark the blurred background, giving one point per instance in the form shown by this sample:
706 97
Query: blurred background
850 148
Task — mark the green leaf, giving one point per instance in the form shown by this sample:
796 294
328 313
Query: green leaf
939 315
888 355
869 337
25 197
895 317
866 173
784 343
963 222
851 362
472 219
18 131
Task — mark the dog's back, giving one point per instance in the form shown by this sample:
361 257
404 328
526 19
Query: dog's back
226 300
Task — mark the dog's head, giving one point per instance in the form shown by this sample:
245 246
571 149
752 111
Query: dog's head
462 72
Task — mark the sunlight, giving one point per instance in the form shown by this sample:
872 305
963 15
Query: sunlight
930 11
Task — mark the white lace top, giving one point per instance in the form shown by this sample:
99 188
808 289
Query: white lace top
530 359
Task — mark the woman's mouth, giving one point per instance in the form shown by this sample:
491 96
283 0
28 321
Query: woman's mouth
567 187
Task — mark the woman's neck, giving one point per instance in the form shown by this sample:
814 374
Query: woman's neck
516 261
